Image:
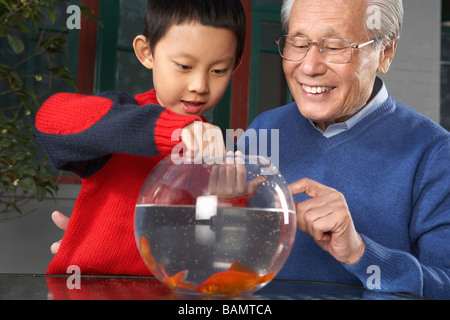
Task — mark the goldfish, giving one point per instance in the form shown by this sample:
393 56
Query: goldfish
178 280
237 279
234 281
146 252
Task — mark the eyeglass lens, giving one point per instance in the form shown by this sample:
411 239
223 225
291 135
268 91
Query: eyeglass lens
335 50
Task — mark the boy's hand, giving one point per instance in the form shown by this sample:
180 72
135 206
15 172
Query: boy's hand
229 180
203 141
61 222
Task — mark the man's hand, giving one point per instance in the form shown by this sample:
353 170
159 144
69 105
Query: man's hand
61 222
326 218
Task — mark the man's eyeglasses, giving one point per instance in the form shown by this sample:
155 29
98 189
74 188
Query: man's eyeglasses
334 50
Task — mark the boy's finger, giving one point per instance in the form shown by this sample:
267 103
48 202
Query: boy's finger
60 220
55 247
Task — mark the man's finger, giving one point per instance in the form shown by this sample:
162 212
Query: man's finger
309 187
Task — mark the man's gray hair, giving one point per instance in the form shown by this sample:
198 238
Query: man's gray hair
389 12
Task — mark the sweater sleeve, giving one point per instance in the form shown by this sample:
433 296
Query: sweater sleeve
80 133
426 272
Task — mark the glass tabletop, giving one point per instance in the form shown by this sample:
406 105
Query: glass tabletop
44 287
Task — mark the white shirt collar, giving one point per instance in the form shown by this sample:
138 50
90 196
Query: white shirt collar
380 97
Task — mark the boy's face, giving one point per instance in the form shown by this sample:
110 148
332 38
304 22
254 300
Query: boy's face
192 67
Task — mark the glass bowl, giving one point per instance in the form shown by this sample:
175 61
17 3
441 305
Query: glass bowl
221 228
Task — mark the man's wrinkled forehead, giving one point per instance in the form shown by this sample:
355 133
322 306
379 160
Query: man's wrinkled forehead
344 18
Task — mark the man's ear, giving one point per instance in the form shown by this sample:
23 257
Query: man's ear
143 52
386 57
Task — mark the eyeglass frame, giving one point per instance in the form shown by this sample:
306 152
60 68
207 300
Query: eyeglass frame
321 50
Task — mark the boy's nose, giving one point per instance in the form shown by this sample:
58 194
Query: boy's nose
199 83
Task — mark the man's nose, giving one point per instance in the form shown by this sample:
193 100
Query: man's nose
314 63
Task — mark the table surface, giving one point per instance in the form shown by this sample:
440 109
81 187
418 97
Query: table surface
43 287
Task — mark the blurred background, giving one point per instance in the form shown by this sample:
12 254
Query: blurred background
40 56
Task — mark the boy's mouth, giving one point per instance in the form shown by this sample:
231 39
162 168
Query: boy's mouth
192 107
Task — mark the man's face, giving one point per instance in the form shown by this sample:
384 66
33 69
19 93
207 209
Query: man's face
192 67
348 87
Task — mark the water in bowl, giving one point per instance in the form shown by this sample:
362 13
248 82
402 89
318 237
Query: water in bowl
230 250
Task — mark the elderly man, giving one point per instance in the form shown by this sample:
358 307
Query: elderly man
371 176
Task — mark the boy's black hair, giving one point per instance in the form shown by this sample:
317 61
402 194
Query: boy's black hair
160 15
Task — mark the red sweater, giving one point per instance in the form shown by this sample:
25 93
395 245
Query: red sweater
112 141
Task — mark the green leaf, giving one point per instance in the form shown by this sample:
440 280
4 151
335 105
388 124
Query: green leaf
40 193
52 16
15 80
23 27
16 207
27 184
5 3
15 43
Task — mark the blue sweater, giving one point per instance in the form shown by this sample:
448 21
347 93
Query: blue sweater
393 167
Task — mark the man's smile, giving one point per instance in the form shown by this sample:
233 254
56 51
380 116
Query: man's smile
316 89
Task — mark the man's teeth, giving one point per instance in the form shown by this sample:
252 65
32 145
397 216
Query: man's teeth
316 90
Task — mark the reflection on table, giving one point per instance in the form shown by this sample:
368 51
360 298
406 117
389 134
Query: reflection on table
41 287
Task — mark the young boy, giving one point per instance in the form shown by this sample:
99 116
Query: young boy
113 141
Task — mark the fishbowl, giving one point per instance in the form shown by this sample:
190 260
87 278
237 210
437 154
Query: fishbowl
217 228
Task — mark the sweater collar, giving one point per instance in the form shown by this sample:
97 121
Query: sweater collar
147 98
381 95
